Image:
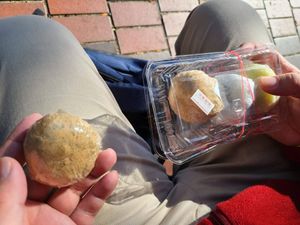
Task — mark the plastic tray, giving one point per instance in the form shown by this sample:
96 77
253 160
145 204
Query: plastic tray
242 109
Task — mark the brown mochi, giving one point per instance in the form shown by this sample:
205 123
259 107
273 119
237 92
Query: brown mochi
61 149
183 86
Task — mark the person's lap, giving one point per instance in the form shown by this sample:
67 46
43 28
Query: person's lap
43 68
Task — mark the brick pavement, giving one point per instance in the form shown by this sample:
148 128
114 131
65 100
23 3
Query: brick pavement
282 17
149 28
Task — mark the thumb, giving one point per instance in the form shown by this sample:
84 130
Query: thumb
282 85
13 190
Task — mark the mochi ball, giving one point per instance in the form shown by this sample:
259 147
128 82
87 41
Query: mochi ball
264 102
183 86
61 149
237 94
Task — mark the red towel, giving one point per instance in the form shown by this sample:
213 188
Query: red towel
274 203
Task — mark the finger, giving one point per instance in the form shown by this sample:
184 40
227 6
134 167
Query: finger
37 191
14 150
261 58
19 132
13 145
282 85
66 200
90 205
286 66
12 182
12 190
250 46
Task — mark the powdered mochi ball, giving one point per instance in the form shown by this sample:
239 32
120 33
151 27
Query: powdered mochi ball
237 93
61 149
183 87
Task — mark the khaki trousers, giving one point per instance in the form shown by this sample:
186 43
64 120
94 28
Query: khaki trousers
43 68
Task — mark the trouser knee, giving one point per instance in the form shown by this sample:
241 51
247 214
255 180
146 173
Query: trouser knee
220 25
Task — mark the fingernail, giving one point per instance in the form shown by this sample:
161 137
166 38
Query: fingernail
269 83
5 168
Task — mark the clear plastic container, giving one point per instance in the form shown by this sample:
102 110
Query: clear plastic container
200 101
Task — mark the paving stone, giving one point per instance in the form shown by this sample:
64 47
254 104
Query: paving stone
294 59
177 5
19 8
174 22
108 46
295 3
135 13
141 39
297 16
288 45
278 8
88 28
150 41
153 55
270 35
256 4
282 27
77 6
172 41
263 15
298 30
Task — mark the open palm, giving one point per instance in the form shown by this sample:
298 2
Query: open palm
23 201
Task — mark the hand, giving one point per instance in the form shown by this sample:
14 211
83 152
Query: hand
288 85
25 202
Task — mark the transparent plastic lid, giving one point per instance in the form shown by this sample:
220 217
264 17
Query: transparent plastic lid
200 101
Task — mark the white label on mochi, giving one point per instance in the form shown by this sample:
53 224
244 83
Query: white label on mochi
202 102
